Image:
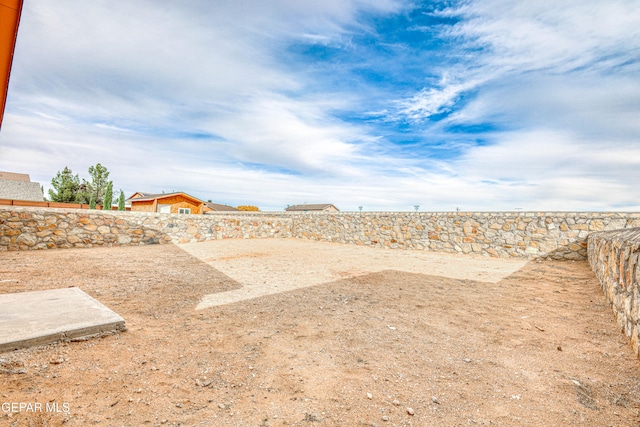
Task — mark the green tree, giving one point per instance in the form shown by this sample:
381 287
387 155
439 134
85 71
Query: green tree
108 197
65 187
99 182
92 202
121 201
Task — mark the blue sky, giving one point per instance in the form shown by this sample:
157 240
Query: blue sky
385 104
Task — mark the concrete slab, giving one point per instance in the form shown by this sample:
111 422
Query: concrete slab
43 317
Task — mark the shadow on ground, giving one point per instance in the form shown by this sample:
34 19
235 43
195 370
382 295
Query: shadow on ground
539 347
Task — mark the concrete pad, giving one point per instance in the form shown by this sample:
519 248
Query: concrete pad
43 317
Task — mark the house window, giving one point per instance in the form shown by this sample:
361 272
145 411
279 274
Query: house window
184 210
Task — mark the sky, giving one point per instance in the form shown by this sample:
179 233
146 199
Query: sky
384 105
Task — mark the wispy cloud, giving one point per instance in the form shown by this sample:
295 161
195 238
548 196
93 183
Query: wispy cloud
385 104
548 89
433 101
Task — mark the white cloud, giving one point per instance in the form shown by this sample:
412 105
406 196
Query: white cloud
274 130
556 86
431 101
547 35
200 96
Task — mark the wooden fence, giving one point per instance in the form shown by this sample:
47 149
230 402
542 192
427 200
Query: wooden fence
31 203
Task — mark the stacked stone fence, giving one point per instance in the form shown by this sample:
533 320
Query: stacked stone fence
614 256
558 235
23 228
610 241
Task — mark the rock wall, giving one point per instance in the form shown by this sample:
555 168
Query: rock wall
611 241
24 228
559 235
615 258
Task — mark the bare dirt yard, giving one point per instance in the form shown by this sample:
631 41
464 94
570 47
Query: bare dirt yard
296 333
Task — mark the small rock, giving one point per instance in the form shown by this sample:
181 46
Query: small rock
467 360
396 402
410 411
369 396
435 400
385 418
312 418
203 383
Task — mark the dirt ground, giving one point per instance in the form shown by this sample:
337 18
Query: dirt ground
297 333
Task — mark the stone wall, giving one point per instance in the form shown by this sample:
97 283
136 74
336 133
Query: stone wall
615 258
557 235
613 238
24 228
560 235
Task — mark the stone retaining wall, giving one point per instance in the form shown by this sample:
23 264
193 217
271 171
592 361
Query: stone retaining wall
557 235
36 228
614 256
560 235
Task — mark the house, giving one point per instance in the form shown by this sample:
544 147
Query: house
18 186
216 207
326 207
140 194
177 202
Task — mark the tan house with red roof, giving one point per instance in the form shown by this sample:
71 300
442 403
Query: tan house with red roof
177 202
